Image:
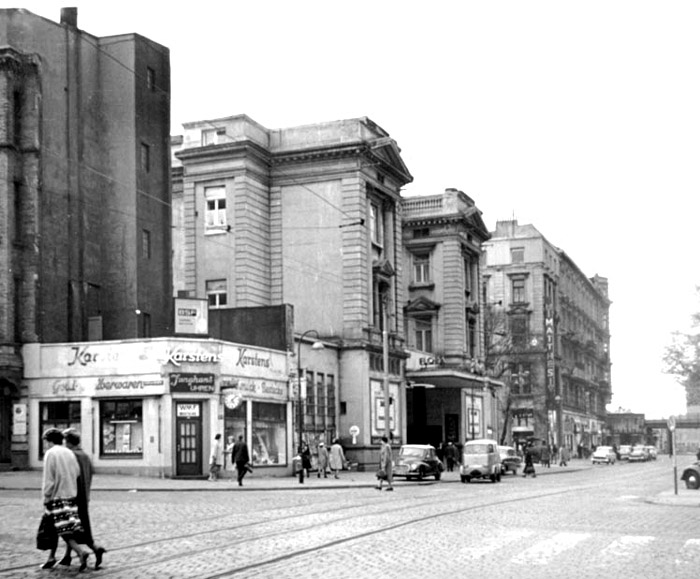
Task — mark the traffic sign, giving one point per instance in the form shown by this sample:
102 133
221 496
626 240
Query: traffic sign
671 423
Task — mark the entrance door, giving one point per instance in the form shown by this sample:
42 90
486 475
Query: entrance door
188 426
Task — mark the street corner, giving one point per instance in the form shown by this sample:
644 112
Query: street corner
683 498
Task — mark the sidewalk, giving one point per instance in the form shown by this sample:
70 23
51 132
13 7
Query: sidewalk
31 480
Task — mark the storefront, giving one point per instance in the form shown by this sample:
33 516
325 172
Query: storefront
152 407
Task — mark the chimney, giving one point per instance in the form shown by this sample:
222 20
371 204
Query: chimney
69 17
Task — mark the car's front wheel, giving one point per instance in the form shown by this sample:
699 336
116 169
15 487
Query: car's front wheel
692 481
437 475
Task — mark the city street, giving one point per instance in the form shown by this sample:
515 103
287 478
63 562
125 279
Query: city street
581 521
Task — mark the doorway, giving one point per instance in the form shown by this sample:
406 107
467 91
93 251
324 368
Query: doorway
188 428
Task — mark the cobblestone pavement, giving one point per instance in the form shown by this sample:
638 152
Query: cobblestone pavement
586 522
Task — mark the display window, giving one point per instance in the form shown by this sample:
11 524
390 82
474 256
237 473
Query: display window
269 434
121 425
59 415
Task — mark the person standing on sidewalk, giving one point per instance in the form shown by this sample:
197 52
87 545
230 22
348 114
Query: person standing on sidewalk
241 458
322 460
337 458
217 459
60 492
72 441
386 464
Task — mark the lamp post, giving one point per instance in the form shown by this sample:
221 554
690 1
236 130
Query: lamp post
300 405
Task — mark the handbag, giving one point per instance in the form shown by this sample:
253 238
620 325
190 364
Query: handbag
381 474
46 536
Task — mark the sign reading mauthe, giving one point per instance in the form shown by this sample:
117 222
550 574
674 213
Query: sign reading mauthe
185 382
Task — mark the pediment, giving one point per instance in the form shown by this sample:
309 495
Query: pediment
422 305
387 152
383 268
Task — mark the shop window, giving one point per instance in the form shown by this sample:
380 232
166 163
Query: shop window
59 415
234 420
269 434
121 425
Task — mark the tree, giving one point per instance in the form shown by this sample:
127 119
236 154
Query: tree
682 359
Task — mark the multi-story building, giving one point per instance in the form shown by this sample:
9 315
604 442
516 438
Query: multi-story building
306 216
449 396
558 346
84 202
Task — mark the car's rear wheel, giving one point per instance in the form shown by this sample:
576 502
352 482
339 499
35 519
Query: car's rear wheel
692 481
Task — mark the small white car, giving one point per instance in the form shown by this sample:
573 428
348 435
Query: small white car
604 454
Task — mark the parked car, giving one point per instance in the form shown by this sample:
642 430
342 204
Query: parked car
480 459
604 454
691 476
624 451
639 454
510 460
651 450
417 461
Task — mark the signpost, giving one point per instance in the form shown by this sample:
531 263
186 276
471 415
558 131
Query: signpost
672 427
354 431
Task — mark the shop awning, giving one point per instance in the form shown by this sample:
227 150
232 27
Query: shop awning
450 378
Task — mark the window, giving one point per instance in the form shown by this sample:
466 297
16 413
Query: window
518 290
215 215
150 79
212 136
216 293
518 331
59 415
471 336
376 224
421 233
421 268
520 378
145 244
517 254
424 334
468 276
121 425
145 157
269 434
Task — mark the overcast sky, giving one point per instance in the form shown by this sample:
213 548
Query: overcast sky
582 118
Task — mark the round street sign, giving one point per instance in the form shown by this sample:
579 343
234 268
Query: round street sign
671 423
354 430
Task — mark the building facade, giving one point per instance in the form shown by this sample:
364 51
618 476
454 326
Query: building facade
307 216
557 350
449 396
84 195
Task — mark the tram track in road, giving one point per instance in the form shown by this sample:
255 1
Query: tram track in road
342 524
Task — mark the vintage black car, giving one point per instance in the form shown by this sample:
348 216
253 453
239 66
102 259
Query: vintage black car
417 461
691 476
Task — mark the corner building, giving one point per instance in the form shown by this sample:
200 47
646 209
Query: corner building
84 197
307 216
557 357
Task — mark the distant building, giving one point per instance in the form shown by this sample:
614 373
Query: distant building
84 202
306 216
448 395
558 322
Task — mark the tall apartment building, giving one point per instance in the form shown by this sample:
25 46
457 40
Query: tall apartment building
558 350
448 395
84 197
306 216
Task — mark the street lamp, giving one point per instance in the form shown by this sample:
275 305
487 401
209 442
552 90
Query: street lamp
317 345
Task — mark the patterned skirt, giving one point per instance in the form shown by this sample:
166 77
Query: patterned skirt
64 513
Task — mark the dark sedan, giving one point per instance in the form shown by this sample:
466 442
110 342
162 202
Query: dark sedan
417 461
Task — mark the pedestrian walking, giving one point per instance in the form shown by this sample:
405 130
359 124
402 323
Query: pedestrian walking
545 456
72 441
60 492
322 460
337 460
386 465
306 459
563 456
228 454
450 456
241 459
217 459
529 465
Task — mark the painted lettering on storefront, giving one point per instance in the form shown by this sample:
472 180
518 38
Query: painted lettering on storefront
103 384
245 359
83 356
177 357
66 387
